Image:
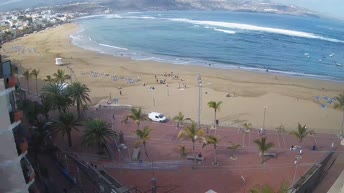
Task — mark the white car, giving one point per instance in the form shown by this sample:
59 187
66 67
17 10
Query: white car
157 117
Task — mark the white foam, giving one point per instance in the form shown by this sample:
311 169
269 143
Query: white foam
119 48
256 28
224 31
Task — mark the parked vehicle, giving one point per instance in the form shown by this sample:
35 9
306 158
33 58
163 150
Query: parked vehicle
157 117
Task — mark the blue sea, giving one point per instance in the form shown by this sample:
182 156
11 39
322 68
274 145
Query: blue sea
293 45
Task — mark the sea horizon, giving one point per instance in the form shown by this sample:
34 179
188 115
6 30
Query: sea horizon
292 49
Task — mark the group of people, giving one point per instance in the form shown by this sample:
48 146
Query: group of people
95 74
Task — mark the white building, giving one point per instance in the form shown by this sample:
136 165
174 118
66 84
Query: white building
17 174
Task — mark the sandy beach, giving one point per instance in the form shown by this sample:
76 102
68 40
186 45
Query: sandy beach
288 100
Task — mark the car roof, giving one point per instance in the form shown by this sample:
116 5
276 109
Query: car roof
154 113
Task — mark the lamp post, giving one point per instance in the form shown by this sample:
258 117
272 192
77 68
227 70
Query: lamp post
265 107
296 162
244 181
199 78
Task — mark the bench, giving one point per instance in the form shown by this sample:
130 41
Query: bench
270 154
190 157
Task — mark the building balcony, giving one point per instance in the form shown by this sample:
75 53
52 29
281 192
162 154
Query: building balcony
28 171
11 82
22 147
16 116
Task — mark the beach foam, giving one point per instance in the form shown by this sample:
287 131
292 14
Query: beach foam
257 28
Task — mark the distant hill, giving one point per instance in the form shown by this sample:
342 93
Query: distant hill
234 5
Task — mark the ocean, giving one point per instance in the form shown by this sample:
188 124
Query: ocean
293 45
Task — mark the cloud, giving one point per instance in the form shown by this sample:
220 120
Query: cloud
9 2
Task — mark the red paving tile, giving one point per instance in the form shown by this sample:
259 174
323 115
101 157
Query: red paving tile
225 178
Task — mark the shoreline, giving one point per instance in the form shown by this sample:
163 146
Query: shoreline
289 99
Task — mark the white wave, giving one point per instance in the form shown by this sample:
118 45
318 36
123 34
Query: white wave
113 16
119 48
140 17
225 31
256 28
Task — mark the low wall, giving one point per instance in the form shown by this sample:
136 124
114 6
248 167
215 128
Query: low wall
308 182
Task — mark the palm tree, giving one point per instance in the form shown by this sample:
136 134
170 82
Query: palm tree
137 116
301 132
210 139
97 133
180 119
263 147
248 127
45 107
216 106
65 124
57 96
79 94
35 73
60 76
340 105
143 136
192 133
48 78
234 148
27 76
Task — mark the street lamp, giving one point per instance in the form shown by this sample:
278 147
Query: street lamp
199 78
265 107
296 162
244 181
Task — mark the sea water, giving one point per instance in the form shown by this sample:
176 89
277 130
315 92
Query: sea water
294 45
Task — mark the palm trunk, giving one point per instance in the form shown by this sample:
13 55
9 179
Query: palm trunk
144 147
261 157
78 109
341 128
69 139
36 87
215 155
215 119
193 148
27 86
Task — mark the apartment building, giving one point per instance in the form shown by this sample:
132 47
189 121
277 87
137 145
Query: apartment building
16 172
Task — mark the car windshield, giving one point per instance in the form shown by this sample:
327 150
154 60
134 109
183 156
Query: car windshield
161 116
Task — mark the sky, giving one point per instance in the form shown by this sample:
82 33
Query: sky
332 8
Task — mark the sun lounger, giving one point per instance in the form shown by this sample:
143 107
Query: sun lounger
270 154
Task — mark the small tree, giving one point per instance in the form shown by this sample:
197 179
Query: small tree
137 116
60 76
27 76
192 133
65 124
143 136
212 140
234 148
97 133
180 119
48 79
263 146
35 73
302 132
216 106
